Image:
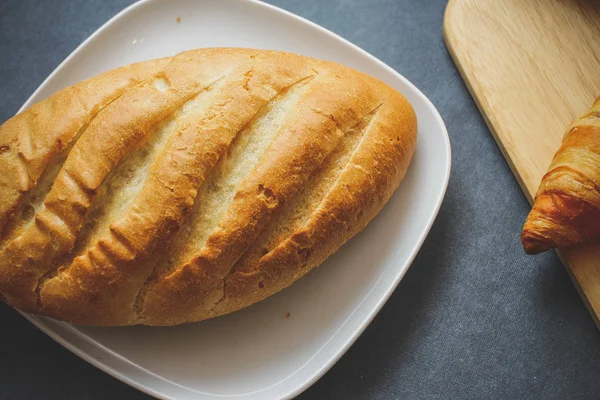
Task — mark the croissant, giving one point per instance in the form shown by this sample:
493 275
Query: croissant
180 189
566 210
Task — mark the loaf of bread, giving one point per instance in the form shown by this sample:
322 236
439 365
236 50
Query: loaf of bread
566 210
180 189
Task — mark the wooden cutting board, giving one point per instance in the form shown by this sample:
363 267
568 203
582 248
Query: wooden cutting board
532 66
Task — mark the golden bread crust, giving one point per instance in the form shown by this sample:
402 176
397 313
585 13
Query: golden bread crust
29 140
215 180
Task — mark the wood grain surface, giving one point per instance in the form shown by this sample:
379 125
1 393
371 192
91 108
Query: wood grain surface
532 66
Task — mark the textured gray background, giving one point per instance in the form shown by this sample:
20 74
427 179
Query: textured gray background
473 318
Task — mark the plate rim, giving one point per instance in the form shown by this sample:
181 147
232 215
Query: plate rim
364 323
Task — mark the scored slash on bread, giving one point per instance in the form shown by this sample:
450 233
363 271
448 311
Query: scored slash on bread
566 210
180 189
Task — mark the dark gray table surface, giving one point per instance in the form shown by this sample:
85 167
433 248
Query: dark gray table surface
473 318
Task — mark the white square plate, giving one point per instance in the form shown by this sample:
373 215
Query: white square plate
258 353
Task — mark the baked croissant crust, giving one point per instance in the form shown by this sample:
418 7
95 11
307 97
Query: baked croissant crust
566 210
185 188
